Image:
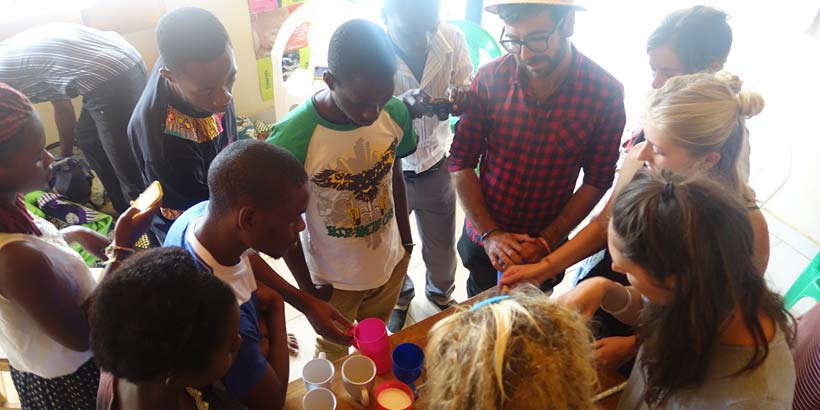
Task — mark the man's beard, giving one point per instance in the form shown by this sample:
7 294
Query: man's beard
546 64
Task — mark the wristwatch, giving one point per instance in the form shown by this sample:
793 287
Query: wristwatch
409 247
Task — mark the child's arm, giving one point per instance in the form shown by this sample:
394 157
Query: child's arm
269 392
295 259
259 380
400 201
278 354
326 320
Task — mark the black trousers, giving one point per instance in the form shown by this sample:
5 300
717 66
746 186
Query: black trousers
483 275
102 135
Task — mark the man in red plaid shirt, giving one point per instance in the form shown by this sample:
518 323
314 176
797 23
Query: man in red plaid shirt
537 117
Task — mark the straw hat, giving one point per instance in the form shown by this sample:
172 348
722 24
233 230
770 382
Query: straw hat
492 5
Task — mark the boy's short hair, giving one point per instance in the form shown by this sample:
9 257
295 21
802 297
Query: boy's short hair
255 172
190 34
359 48
158 314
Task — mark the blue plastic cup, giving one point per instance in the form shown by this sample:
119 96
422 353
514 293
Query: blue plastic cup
408 362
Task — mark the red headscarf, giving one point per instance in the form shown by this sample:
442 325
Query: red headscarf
15 111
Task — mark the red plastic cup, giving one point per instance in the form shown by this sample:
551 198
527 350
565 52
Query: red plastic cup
370 338
394 395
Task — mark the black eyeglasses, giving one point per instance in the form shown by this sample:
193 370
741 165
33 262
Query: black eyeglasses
538 44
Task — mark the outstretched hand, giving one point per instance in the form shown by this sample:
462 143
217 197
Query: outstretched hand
329 323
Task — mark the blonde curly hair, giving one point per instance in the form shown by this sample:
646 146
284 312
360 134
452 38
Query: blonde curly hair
524 352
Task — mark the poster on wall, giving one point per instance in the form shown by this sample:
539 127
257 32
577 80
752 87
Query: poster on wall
267 17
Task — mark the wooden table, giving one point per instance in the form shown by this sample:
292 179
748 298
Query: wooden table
417 333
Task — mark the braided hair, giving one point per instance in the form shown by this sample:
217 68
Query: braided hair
15 113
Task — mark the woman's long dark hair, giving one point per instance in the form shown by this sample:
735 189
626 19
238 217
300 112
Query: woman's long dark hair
697 233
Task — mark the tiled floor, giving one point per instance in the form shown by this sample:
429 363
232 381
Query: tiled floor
790 253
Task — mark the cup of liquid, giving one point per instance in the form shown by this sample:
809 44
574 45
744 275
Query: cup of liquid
394 395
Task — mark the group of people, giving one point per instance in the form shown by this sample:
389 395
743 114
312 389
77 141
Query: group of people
672 286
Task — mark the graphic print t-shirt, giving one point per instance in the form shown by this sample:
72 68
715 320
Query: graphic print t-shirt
351 241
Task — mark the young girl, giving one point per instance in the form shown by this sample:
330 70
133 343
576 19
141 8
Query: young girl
160 329
44 284
694 124
713 336
521 352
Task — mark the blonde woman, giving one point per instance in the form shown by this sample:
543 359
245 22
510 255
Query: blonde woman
521 351
694 124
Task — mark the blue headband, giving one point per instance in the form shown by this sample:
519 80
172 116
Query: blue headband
489 301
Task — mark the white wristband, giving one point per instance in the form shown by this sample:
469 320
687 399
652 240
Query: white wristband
623 309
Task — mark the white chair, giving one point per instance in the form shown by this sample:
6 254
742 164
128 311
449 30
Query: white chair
324 17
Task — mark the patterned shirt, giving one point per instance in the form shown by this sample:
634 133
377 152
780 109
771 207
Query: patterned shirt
448 64
532 153
352 240
60 61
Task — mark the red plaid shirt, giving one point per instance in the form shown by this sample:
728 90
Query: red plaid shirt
531 154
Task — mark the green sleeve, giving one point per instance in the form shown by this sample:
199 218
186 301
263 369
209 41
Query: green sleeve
399 113
293 132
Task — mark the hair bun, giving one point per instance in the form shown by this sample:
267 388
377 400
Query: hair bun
734 82
750 103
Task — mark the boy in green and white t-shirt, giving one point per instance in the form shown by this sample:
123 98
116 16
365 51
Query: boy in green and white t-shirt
350 137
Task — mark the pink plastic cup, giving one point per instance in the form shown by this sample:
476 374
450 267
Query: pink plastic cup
370 338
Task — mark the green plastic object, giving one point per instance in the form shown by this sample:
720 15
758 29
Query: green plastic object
807 284
480 44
